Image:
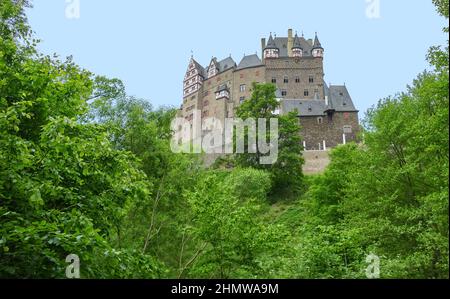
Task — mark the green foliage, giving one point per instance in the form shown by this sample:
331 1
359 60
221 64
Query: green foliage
389 196
64 188
233 233
286 172
87 170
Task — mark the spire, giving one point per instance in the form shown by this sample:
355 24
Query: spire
271 43
297 44
317 44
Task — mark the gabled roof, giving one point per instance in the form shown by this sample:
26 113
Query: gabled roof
249 61
213 62
197 65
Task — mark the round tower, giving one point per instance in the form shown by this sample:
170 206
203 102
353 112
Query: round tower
297 49
317 50
271 50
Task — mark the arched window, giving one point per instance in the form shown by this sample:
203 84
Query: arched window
320 120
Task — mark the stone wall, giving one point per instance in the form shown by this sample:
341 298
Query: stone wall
293 68
330 129
246 77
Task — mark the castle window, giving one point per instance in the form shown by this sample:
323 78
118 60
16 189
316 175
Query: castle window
241 99
297 79
242 88
306 93
283 93
274 80
347 129
311 79
320 120
286 80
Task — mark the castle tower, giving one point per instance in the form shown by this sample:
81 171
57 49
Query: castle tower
297 50
271 50
193 78
317 50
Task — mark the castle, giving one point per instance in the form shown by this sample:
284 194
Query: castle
295 65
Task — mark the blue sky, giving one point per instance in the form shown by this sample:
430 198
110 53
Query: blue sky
148 44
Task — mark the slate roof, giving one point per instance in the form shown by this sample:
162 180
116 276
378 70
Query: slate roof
249 61
304 107
226 64
317 44
271 43
281 44
339 100
222 88
297 43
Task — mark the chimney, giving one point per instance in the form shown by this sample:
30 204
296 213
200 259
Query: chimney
290 43
263 45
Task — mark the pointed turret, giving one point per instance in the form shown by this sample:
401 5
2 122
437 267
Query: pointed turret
297 49
271 50
317 50
271 43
